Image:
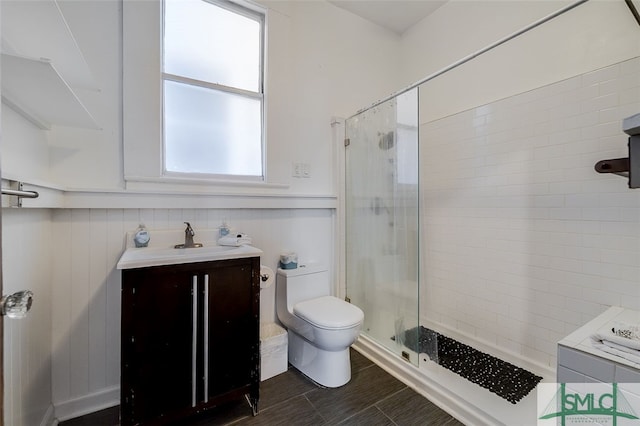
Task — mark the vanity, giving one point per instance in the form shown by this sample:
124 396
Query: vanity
190 331
580 362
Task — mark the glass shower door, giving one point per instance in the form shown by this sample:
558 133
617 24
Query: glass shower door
381 201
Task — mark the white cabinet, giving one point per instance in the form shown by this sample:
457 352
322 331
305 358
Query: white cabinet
575 366
627 375
567 375
580 362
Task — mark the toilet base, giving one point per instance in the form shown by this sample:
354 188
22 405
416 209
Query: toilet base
327 368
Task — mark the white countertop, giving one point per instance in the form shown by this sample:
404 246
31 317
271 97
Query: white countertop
161 250
580 339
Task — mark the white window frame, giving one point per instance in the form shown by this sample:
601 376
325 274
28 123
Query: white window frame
142 109
249 11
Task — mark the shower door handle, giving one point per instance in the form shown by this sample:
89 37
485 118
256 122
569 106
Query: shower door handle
16 305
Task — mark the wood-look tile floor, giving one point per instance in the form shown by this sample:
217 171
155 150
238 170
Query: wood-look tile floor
372 397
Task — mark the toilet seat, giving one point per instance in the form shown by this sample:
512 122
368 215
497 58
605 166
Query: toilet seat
329 312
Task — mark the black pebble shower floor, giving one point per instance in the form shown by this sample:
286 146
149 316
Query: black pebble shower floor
500 377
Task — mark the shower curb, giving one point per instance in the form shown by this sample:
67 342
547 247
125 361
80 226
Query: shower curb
407 373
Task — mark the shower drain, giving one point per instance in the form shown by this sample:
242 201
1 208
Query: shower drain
506 380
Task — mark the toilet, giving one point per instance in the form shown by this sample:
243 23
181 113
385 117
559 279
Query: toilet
321 327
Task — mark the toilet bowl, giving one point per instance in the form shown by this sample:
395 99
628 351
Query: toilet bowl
321 327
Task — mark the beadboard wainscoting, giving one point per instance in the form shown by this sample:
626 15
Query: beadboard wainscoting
26 264
86 296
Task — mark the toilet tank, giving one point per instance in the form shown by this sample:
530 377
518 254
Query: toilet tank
307 281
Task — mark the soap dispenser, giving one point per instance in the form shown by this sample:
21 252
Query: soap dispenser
224 229
141 237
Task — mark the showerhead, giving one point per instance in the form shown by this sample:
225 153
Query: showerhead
387 140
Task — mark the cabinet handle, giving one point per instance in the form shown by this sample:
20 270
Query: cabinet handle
206 337
194 338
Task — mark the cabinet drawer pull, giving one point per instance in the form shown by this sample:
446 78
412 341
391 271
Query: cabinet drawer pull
194 338
206 337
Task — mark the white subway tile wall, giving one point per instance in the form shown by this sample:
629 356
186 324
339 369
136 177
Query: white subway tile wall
522 241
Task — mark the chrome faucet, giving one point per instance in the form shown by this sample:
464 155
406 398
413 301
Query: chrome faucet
188 236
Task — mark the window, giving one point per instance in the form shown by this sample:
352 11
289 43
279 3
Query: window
212 89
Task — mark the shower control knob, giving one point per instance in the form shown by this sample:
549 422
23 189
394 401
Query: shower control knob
17 304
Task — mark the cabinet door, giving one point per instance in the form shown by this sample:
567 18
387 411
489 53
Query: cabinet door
233 358
157 343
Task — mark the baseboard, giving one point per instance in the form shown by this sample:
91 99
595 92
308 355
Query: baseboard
105 398
49 419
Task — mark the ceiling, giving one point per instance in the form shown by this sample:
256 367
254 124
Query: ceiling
395 15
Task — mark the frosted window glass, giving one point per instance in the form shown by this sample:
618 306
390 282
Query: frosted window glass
208 43
208 131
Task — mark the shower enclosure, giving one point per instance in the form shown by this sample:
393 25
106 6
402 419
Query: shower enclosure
471 201
382 219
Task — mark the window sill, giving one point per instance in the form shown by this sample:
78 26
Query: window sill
133 181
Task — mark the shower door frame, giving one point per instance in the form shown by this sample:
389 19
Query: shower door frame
401 251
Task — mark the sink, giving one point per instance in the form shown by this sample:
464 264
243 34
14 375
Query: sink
195 245
157 256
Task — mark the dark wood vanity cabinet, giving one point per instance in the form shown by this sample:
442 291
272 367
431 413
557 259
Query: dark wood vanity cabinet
190 339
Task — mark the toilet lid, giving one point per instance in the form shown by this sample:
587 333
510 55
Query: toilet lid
329 312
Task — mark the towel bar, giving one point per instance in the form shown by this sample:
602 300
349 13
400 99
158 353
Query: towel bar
20 193
628 167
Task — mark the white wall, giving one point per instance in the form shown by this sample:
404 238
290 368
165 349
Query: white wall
309 66
26 264
96 25
339 63
436 41
591 36
316 52
24 147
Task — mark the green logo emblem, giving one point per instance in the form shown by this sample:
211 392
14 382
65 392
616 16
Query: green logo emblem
594 406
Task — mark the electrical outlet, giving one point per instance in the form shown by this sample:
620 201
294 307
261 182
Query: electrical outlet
296 170
305 170
300 170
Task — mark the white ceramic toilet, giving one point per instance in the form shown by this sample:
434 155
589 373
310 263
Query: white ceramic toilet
321 327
